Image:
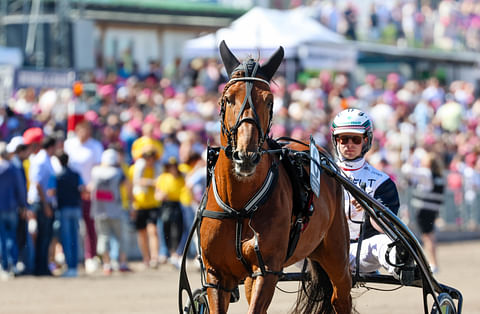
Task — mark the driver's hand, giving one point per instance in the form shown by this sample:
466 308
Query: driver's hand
357 206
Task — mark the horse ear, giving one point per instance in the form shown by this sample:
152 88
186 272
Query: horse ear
270 67
228 58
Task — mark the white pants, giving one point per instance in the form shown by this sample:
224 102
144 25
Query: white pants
372 254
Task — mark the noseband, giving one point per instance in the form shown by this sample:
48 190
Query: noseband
250 69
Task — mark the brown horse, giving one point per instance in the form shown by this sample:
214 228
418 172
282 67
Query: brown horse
245 233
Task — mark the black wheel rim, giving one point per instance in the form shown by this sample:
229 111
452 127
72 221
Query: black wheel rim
199 302
447 306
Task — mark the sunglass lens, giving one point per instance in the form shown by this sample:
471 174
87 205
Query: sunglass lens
355 139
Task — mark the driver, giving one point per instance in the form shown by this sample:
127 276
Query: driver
352 135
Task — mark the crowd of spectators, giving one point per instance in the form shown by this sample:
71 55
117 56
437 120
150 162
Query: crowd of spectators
411 118
445 24
159 125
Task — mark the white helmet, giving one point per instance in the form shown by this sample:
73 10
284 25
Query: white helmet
353 121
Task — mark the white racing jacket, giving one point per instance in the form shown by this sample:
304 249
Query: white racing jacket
375 183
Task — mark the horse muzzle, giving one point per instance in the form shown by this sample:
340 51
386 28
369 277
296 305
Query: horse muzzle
245 162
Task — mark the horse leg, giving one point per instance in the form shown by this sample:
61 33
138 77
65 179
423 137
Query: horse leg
248 283
262 294
342 284
334 259
218 297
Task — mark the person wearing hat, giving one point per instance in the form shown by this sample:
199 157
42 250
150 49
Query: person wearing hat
143 174
107 210
16 145
40 172
33 136
12 197
352 136
18 153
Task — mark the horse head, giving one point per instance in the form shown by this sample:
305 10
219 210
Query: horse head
246 108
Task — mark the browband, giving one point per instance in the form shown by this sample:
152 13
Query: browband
249 79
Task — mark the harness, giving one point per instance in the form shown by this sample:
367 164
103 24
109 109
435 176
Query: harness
293 166
247 212
302 195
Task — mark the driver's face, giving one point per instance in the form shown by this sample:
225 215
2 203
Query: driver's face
350 144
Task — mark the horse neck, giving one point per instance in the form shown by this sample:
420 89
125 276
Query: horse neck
235 191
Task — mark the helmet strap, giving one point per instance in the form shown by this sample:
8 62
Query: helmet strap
349 164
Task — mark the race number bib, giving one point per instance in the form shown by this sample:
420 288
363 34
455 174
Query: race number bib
315 170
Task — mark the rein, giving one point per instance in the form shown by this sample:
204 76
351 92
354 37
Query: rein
249 78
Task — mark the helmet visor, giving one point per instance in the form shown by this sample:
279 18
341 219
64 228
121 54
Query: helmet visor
349 129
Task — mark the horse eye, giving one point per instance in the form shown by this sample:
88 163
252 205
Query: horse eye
270 104
227 101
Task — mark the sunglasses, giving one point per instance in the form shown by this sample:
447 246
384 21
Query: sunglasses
149 155
344 139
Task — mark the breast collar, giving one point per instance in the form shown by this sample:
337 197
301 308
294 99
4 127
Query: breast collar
352 165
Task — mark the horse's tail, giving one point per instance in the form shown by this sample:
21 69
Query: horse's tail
316 294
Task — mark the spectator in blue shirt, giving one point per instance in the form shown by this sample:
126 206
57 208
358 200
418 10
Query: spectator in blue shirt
18 152
67 186
12 197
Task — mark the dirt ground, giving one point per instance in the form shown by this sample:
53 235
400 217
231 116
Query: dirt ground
156 291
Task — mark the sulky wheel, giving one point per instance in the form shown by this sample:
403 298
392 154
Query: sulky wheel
447 306
199 302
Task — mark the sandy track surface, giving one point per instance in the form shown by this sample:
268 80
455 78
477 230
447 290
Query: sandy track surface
155 291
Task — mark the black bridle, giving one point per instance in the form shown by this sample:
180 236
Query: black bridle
263 194
250 70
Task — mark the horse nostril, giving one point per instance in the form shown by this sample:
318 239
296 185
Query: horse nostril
255 158
242 157
237 156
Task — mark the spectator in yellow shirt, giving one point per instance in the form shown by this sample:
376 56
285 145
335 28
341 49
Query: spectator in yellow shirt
173 193
146 140
145 213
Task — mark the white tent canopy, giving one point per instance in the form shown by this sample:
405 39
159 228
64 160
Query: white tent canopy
263 30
